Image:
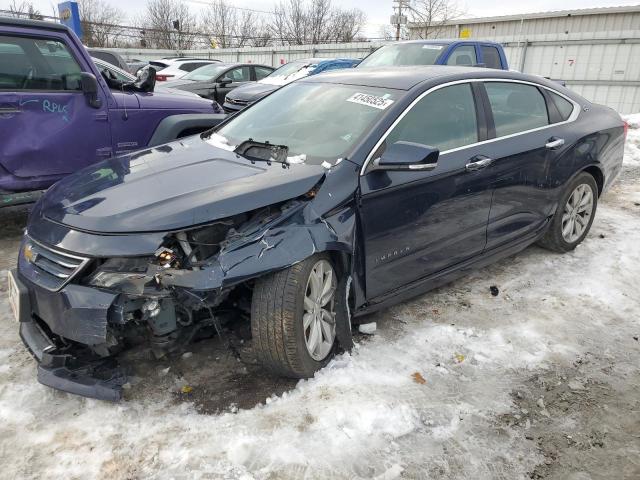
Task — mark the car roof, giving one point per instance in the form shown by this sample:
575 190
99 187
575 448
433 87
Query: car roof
407 77
445 41
19 22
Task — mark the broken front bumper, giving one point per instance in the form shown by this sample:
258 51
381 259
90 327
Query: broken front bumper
73 315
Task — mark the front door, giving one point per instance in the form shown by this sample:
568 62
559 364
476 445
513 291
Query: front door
47 129
232 79
418 223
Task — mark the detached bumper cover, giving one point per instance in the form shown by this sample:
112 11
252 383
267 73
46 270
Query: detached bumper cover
63 369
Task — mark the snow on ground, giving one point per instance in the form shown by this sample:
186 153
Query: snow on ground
540 381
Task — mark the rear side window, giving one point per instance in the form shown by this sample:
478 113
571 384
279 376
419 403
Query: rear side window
37 64
564 106
191 66
107 57
445 119
241 74
491 57
262 72
516 107
464 55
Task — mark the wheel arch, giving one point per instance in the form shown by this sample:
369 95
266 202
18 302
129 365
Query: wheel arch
598 176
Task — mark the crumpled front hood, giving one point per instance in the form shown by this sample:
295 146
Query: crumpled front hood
172 186
252 91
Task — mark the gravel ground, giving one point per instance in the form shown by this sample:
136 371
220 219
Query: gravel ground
540 380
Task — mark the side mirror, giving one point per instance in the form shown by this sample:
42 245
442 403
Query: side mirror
146 79
89 86
408 156
223 82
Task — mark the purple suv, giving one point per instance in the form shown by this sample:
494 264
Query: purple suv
58 114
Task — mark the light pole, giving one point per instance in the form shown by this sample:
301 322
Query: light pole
398 19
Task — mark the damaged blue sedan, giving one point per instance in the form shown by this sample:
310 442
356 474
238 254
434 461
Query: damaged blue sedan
331 198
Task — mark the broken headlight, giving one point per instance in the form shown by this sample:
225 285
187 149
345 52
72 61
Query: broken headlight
125 274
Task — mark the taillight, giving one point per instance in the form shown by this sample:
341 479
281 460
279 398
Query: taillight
163 78
626 129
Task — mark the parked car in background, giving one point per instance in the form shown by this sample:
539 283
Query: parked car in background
334 197
216 80
287 73
59 114
108 56
111 72
135 65
471 53
176 68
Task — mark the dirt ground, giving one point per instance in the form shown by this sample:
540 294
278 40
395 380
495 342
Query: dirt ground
536 378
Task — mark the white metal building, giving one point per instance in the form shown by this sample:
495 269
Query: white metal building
596 51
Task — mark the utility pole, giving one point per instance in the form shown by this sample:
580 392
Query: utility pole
398 19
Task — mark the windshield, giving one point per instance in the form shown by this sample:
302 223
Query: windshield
289 72
206 74
404 54
318 122
120 75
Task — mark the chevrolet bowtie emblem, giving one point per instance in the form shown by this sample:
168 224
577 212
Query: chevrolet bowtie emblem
29 254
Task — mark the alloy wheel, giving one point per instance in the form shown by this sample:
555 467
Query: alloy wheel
577 213
319 318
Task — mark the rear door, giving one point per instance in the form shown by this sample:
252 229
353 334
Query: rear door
527 151
417 223
47 129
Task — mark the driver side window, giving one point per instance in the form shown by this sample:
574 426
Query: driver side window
241 74
37 64
445 119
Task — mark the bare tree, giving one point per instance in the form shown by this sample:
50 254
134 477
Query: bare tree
290 24
100 22
346 25
226 27
315 21
168 24
319 17
219 22
263 33
24 10
431 16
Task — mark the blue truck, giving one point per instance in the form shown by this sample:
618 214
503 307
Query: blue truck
460 52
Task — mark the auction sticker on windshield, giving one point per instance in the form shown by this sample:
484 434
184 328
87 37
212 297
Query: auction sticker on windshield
370 100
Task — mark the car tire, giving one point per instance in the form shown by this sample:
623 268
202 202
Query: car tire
571 223
281 322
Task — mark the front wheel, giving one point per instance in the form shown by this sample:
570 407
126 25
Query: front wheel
293 317
575 214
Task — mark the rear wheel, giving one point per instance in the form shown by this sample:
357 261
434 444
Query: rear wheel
575 214
293 317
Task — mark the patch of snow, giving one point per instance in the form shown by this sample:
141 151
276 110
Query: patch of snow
220 141
632 146
297 159
364 415
367 328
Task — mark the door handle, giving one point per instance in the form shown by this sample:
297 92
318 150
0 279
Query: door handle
554 142
478 163
7 110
